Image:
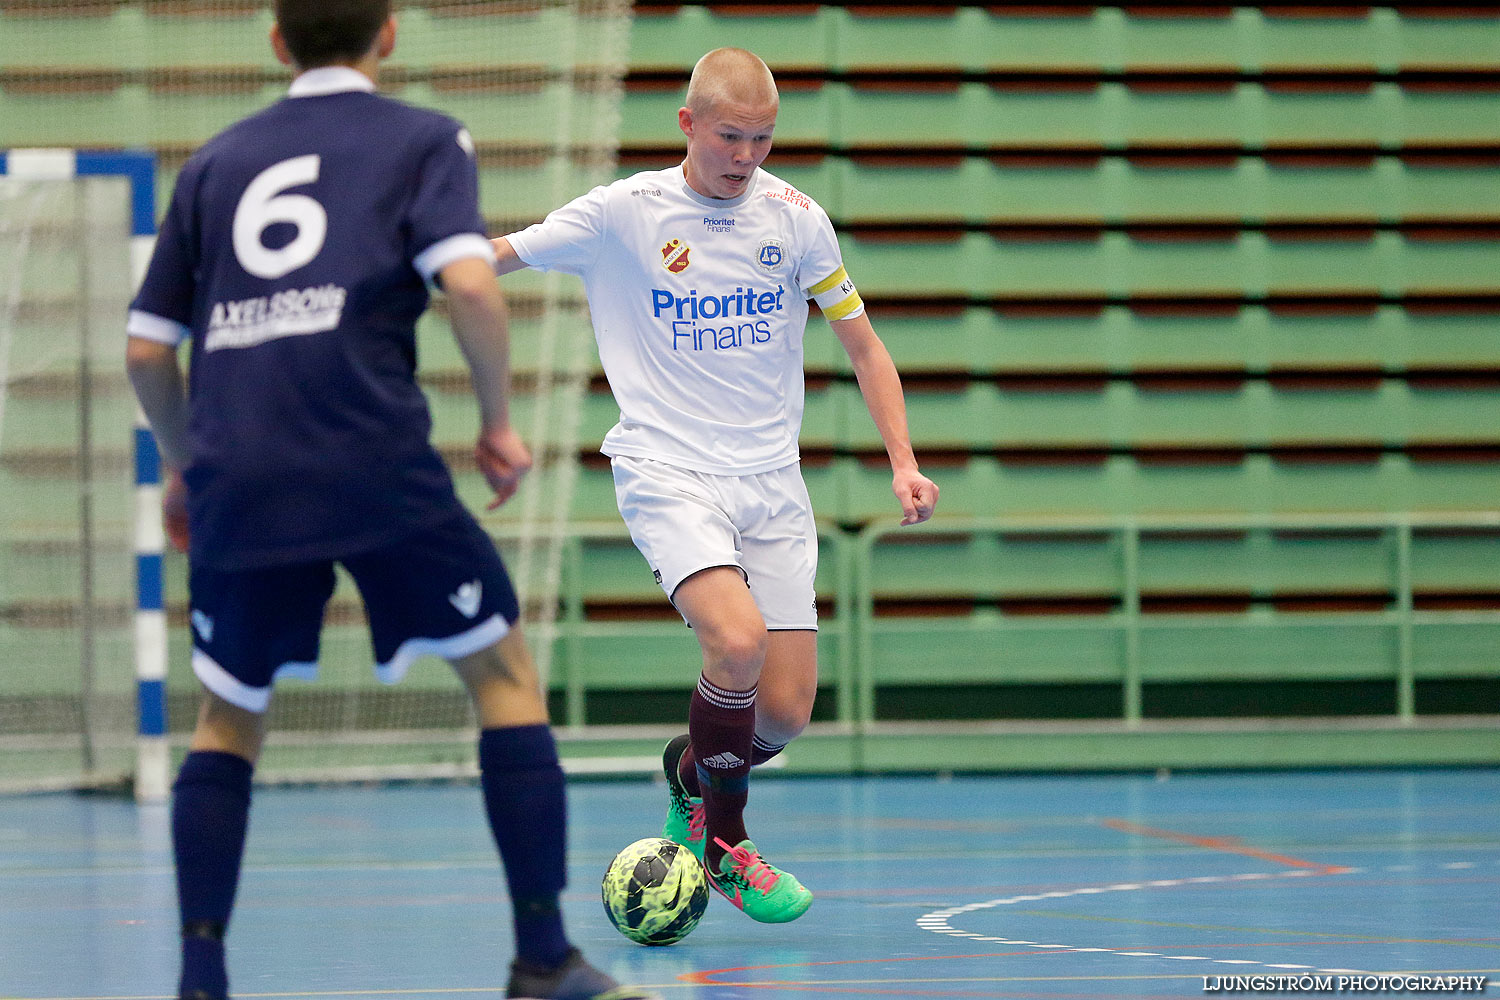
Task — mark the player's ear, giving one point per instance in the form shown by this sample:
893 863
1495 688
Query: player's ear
385 42
685 121
278 46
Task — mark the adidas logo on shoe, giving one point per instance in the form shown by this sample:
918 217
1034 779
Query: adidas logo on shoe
722 761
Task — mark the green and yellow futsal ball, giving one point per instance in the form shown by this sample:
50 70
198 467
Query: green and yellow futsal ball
655 891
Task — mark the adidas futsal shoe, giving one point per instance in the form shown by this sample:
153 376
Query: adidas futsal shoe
575 979
685 822
764 892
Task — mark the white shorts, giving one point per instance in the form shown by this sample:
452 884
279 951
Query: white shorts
685 521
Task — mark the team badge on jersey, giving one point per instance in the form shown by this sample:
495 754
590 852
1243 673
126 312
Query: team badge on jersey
674 256
770 254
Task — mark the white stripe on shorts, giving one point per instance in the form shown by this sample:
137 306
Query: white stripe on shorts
486 633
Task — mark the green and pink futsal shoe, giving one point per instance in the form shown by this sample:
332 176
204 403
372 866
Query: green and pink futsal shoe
763 891
685 822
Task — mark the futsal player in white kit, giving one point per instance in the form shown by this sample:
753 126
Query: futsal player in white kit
698 279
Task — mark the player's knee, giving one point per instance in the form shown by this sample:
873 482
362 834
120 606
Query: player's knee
228 728
781 720
736 650
496 666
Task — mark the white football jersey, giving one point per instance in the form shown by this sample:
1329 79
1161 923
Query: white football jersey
699 307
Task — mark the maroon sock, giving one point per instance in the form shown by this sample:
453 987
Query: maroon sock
722 726
761 751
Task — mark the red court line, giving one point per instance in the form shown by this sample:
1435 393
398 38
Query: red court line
704 978
1229 845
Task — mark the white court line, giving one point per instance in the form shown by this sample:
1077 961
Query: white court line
939 921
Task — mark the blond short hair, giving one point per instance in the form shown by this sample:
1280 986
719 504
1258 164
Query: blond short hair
730 75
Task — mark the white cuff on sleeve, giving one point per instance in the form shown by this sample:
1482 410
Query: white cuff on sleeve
150 326
444 252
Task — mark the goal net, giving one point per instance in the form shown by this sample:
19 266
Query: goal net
67 705
537 83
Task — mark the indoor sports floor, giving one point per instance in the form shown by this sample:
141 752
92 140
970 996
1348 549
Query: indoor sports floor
970 887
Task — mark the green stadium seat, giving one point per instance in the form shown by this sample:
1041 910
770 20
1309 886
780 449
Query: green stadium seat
934 565
1138 190
649 116
799 38
1286 648
1356 40
973 264
505 35
107 118
1392 338
1046 485
957 115
1455 192
956 38
1146 262
520 114
1186 37
1387 115
201 39
949 340
1055 37
1265 564
527 188
1442 649
1451 563
74 38
953 188
1458 39
1206 115
1037 651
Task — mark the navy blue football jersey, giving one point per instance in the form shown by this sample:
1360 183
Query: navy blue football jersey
295 254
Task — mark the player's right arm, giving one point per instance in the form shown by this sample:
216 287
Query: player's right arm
568 240
506 258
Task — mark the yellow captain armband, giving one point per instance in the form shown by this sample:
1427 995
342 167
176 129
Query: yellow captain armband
837 296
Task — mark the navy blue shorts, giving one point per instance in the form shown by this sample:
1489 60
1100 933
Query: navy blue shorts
441 592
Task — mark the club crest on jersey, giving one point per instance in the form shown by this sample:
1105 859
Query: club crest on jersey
770 254
674 256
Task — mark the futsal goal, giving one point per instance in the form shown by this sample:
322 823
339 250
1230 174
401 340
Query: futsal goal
81 631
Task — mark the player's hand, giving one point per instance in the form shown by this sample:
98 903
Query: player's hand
174 515
503 459
918 496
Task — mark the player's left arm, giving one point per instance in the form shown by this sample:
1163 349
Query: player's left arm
880 384
157 380
480 321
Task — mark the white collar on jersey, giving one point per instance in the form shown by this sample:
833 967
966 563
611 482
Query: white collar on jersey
329 80
716 203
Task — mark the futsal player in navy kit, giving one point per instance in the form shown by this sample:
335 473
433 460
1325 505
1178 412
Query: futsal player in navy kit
294 258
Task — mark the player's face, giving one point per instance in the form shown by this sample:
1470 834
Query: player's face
726 143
